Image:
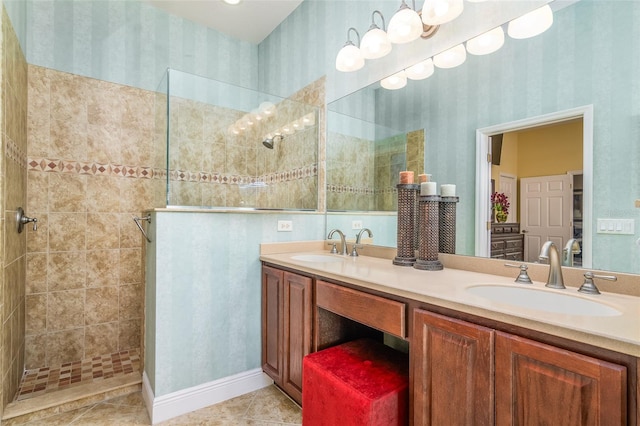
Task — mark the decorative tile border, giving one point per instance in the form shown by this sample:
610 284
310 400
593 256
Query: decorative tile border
143 172
16 154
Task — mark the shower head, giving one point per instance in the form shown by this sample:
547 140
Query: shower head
269 141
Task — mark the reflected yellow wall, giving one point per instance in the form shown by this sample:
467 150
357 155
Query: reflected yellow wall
550 150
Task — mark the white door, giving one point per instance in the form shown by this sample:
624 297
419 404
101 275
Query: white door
545 212
508 187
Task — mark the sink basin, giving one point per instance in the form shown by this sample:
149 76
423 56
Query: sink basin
543 300
324 258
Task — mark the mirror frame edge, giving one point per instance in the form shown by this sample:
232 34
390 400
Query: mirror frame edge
483 174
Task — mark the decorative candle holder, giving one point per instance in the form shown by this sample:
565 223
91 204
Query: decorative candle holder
429 234
448 224
406 251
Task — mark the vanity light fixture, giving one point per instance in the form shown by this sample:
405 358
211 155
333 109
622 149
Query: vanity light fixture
375 43
486 43
451 58
436 12
350 57
421 70
405 25
232 2
531 24
395 81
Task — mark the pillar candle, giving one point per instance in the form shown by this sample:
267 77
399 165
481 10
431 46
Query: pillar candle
448 190
423 178
428 188
406 177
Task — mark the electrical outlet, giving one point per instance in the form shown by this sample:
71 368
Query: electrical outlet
637 204
356 224
285 226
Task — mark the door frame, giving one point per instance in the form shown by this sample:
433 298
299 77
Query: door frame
483 174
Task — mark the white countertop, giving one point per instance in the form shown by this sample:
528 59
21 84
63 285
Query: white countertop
448 289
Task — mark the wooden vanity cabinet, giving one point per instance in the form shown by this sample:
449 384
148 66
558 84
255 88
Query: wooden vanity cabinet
462 373
538 384
451 371
287 318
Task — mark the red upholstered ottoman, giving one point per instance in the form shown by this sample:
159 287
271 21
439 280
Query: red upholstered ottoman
357 383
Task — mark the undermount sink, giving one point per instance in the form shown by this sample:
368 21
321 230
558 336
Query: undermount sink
543 300
324 258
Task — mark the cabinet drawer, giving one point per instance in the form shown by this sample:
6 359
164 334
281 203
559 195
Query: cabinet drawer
516 255
514 244
497 245
377 312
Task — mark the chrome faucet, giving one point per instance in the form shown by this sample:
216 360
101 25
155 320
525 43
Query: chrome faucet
572 247
550 251
357 245
343 240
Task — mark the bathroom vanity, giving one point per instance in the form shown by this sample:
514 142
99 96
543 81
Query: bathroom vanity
472 360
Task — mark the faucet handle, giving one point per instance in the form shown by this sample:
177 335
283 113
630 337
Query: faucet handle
354 250
334 249
589 287
523 277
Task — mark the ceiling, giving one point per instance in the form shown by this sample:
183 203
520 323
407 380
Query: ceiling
251 20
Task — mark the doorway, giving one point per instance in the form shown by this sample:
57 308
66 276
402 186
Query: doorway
483 172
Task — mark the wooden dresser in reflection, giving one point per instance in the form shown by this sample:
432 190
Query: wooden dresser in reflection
507 242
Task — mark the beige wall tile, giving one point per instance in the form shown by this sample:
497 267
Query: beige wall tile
129 335
66 270
68 140
130 235
103 194
37 193
103 143
101 305
36 273
35 351
130 266
131 301
67 192
103 231
36 308
65 310
67 231
103 268
101 338
64 346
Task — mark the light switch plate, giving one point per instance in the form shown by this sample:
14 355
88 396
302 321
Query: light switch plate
285 226
637 204
616 226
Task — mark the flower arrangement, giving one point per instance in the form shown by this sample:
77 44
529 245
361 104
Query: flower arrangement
500 205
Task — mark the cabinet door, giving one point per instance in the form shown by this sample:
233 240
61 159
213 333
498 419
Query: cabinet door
537 384
452 371
297 331
272 322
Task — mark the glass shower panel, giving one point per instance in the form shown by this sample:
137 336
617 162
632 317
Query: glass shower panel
233 147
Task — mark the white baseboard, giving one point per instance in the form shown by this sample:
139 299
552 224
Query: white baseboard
187 400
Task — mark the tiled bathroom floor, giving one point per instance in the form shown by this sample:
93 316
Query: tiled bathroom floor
264 407
40 381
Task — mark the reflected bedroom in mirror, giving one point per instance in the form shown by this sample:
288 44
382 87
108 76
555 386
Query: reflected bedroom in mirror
565 104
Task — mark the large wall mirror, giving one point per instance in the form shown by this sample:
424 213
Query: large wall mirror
584 62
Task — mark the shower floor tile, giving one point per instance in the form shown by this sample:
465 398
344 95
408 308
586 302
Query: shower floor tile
40 381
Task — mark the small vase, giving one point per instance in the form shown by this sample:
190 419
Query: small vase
501 217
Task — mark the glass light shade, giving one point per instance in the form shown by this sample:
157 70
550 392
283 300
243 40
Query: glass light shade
349 58
405 26
486 43
395 81
451 58
436 12
421 70
531 24
375 44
